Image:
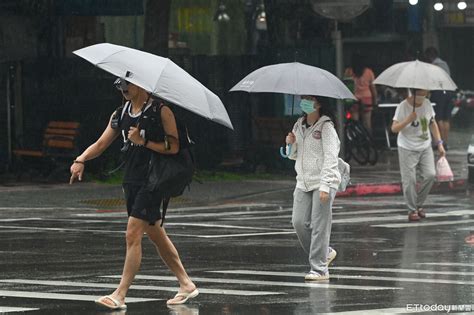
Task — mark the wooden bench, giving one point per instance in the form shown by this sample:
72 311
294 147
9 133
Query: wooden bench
268 136
59 143
271 131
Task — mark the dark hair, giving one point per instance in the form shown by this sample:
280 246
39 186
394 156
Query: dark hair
359 63
431 53
326 108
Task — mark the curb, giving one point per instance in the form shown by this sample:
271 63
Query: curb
387 189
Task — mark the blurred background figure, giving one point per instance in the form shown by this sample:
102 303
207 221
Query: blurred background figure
443 99
364 90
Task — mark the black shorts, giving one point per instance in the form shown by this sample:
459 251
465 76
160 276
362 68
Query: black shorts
444 104
142 204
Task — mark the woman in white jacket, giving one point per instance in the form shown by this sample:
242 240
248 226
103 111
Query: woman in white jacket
315 147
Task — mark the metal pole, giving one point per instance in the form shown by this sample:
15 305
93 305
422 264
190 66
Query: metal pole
337 38
9 123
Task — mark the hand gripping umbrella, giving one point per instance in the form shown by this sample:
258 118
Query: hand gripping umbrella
294 78
159 76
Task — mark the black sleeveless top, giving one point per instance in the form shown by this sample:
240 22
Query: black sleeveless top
137 157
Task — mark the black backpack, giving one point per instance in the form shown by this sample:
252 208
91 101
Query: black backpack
170 174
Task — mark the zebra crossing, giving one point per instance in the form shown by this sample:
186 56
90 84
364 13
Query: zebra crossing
251 222
234 281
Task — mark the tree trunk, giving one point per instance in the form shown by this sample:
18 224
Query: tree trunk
157 17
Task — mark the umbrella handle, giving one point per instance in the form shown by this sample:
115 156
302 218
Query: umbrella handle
283 149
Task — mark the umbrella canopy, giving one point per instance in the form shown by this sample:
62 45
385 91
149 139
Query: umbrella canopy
159 76
416 75
294 78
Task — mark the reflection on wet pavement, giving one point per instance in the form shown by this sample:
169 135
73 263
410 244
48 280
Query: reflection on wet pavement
243 256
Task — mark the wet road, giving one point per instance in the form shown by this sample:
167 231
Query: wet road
62 247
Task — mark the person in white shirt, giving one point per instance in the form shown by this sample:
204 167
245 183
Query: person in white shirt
413 121
315 147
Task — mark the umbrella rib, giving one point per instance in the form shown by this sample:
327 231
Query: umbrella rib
103 61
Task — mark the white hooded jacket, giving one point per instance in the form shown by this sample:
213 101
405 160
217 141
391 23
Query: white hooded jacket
316 153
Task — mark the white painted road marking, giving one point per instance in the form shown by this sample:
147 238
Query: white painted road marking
235 235
136 287
422 224
61 296
376 311
350 277
57 229
6 309
401 270
450 264
267 283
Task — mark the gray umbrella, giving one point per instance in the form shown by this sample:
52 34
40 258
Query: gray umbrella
294 78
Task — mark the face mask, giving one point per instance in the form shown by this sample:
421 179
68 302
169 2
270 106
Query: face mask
307 106
419 99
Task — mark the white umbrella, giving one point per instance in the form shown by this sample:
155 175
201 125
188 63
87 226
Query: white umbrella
416 75
159 76
294 78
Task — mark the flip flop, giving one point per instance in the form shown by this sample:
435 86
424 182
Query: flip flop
115 306
185 295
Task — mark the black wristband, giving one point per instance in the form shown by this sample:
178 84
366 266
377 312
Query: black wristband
80 162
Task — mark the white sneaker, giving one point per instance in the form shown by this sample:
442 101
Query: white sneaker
331 256
314 276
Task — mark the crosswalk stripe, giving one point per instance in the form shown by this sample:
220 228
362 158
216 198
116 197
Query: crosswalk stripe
234 235
48 208
62 296
349 277
20 219
6 309
276 231
422 224
402 270
399 310
195 215
268 283
404 218
226 226
450 264
57 229
136 287
358 219
225 206
221 226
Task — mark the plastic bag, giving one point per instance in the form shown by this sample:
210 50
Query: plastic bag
443 171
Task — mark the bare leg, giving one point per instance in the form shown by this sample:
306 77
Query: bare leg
170 257
355 112
133 258
367 121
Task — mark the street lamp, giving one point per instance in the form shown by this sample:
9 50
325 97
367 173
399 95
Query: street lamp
221 14
462 5
438 6
413 2
261 19
340 10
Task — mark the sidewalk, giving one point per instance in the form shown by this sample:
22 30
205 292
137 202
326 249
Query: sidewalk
380 179
384 177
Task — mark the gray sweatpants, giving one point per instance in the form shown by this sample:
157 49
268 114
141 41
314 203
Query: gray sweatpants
312 221
410 161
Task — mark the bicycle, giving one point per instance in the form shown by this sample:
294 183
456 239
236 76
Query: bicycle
359 143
